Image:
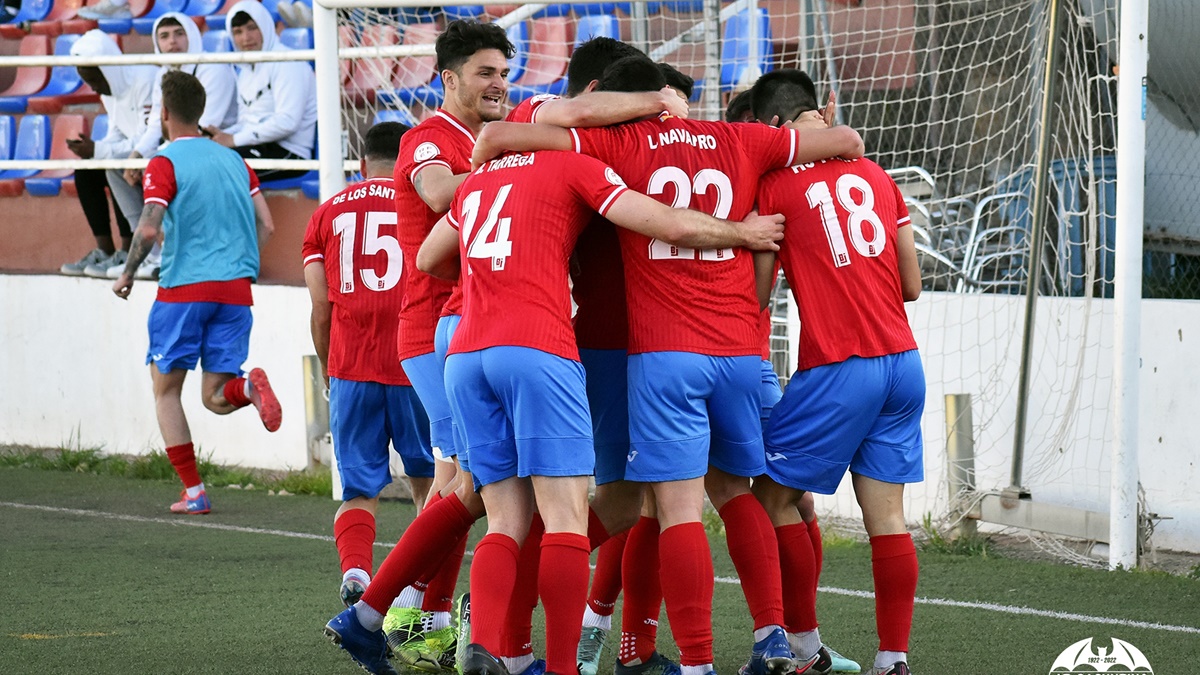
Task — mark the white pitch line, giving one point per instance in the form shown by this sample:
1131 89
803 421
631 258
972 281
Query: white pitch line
938 602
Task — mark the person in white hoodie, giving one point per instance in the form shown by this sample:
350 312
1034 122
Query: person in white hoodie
277 102
125 93
176 33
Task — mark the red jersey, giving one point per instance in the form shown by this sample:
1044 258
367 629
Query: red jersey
518 217
598 286
839 255
681 299
354 236
526 111
442 140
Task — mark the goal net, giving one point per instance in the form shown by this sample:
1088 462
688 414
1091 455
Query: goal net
947 96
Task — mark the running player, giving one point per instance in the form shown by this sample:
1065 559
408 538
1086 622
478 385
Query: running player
517 386
202 311
694 364
855 401
353 267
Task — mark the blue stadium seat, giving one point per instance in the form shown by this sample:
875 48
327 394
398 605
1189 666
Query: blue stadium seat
293 183
99 126
31 10
553 10
297 38
453 12
400 115
145 23
63 79
8 136
518 35
48 183
594 8
626 8
429 95
737 52
203 7
217 41
596 25
33 142
685 6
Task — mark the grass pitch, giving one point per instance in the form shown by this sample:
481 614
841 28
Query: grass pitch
98 578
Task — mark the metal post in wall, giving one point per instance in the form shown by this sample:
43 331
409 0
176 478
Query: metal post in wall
960 457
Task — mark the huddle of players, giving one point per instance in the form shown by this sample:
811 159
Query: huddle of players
538 403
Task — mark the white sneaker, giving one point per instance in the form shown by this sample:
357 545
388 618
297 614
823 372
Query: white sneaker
100 269
148 270
105 9
75 269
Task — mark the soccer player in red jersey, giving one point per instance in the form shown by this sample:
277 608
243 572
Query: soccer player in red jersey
855 402
353 269
210 258
694 364
517 387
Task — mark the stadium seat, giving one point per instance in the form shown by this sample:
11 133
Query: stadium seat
297 38
198 8
8 136
685 6
547 63
31 10
518 35
454 12
347 37
394 115
594 8
298 181
137 8
738 55
63 19
596 25
145 23
33 142
415 79
99 130
369 75
48 183
217 41
626 8
65 87
29 80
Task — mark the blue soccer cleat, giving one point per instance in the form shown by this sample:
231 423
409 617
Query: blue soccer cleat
772 655
538 667
655 665
368 648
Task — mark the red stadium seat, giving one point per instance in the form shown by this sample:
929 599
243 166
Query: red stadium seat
30 80
372 74
347 37
65 87
550 43
48 183
416 71
64 10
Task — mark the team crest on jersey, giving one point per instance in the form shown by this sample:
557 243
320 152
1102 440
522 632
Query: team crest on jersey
664 116
613 177
426 151
540 98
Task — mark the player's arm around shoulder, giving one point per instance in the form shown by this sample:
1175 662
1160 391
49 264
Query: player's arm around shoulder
693 229
500 137
602 108
816 141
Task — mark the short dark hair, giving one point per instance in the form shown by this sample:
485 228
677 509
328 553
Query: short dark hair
183 96
383 141
463 37
167 22
676 79
738 109
241 19
591 58
784 94
632 73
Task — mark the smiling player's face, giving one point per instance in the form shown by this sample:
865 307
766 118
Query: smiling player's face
481 85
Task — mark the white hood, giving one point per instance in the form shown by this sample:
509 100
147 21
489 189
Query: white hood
128 107
262 17
195 41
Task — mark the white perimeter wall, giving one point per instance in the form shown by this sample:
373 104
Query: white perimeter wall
72 365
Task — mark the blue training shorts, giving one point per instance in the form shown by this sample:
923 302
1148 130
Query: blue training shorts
860 414
524 413
444 333
687 411
770 392
363 417
426 372
215 335
608 401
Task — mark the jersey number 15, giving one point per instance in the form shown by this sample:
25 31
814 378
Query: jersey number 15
345 226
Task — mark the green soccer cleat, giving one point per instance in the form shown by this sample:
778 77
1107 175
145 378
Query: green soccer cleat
841 664
462 620
405 632
442 645
591 646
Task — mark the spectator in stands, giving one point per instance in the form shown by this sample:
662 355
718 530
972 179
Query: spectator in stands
176 33
106 9
277 102
125 93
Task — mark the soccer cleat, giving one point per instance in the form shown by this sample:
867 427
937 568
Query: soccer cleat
591 645
538 667
263 398
404 632
75 269
352 590
839 663
99 269
105 9
772 655
192 506
369 649
897 668
441 647
477 661
655 665
462 620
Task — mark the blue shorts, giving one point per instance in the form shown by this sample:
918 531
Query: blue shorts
860 414
443 334
428 379
363 417
215 335
608 400
770 392
687 411
524 413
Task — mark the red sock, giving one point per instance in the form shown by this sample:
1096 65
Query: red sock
643 594
430 501
493 575
755 555
354 534
894 566
440 586
597 535
235 392
435 529
516 638
564 590
183 458
606 582
687 588
818 549
797 567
